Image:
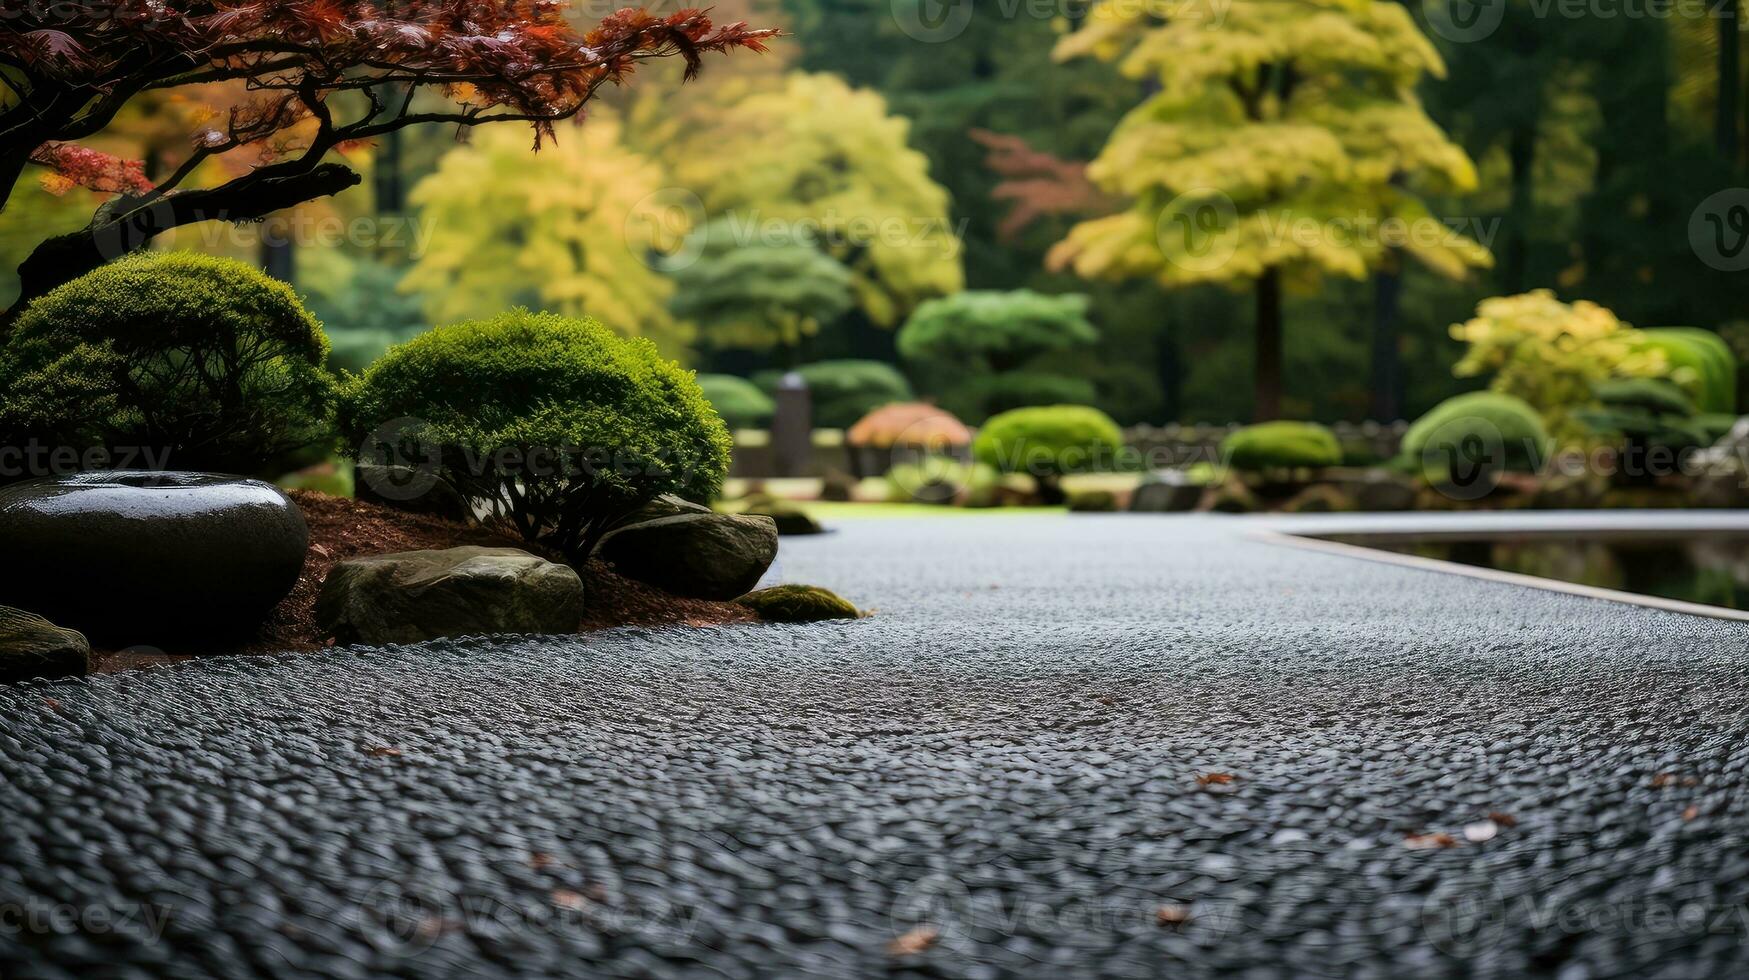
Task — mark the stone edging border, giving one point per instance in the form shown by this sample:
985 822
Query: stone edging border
1364 553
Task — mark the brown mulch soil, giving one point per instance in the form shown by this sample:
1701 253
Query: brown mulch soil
341 528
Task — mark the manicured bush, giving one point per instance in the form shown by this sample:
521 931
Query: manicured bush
556 425
1049 442
204 363
798 604
1650 394
1643 414
844 391
739 401
1483 429
993 342
1281 445
1701 361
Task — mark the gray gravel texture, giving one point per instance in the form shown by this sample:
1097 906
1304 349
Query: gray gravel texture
1006 753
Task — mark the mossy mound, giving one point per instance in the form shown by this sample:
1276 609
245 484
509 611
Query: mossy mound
798 604
1282 445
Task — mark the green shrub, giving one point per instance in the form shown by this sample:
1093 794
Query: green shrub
1644 413
741 404
1049 442
1281 445
844 391
1650 394
998 340
206 361
798 604
1703 362
1486 430
556 425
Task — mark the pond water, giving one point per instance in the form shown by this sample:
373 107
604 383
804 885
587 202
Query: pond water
1710 568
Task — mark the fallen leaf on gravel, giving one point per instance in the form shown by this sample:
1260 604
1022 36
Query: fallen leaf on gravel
1429 842
1215 778
1172 915
1664 779
540 860
324 552
1485 830
1691 813
382 751
913 942
567 899
52 704
1503 819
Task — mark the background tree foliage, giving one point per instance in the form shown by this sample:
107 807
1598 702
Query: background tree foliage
554 231
1283 140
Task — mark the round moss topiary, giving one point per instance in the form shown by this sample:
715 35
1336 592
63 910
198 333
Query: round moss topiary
798 604
1483 430
739 401
174 359
557 425
1281 445
1049 442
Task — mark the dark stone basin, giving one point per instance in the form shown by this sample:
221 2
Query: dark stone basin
147 558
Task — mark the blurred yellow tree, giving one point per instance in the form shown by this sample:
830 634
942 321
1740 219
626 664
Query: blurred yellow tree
559 230
1281 139
812 152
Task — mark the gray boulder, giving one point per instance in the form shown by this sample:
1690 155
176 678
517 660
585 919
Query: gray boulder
139 557
424 595
31 646
699 556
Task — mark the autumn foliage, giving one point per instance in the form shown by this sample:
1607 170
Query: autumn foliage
67 69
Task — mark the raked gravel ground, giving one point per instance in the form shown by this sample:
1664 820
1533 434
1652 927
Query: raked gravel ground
999 769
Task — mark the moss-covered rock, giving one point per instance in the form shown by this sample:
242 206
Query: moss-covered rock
31 646
798 604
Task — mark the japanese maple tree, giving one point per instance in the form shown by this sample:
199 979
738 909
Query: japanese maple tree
319 74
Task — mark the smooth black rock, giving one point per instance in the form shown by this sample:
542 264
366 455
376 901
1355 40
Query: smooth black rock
148 558
700 556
